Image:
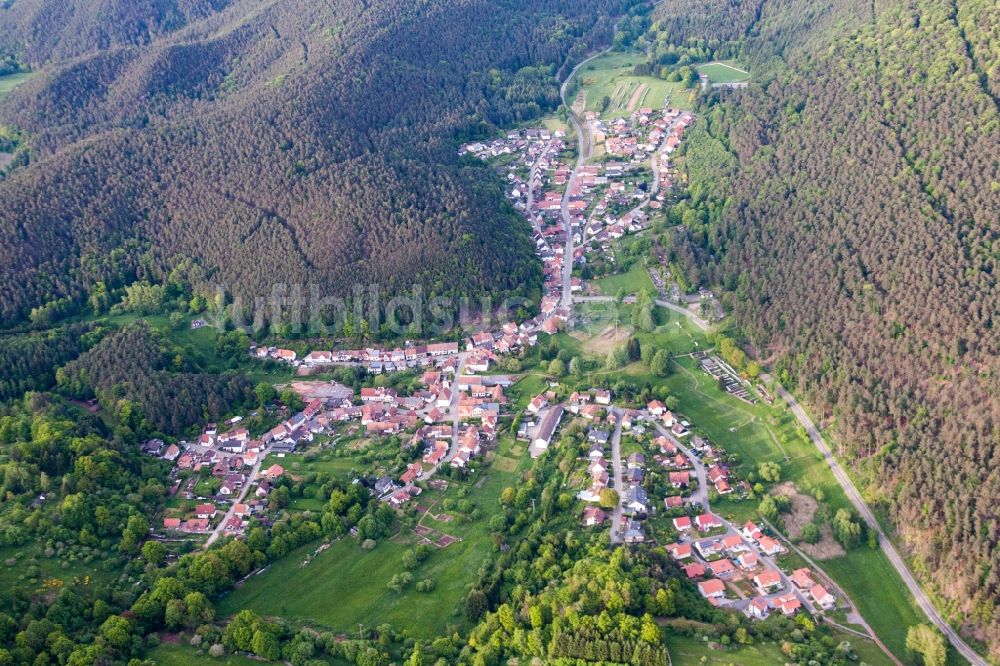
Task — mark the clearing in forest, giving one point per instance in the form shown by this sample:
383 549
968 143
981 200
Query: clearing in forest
720 72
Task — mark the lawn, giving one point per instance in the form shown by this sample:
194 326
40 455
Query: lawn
611 76
686 651
633 280
346 585
167 654
11 81
721 72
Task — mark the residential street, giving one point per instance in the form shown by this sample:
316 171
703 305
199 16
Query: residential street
701 496
616 463
462 357
887 547
221 527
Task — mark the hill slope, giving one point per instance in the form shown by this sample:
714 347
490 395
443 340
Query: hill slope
855 223
285 142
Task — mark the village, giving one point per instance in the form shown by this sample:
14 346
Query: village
642 482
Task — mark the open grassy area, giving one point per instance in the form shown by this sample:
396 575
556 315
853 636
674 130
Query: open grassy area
611 77
168 654
634 279
346 585
687 651
31 566
722 72
10 81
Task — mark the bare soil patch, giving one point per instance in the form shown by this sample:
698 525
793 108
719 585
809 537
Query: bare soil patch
802 512
445 541
636 96
606 340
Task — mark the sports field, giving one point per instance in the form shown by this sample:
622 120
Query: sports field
722 72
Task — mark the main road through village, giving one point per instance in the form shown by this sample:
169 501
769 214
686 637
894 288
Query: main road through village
583 155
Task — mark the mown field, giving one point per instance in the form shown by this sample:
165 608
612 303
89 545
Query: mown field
633 280
611 76
722 72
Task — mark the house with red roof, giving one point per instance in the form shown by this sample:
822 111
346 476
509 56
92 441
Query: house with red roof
205 510
722 568
694 570
682 524
769 546
788 604
707 521
802 579
768 581
821 597
758 609
712 589
679 551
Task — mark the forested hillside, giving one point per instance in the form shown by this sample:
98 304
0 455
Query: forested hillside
42 30
850 207
292 142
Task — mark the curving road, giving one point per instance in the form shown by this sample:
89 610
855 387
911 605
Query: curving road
888 548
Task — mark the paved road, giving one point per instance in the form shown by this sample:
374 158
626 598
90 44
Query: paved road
220 528
531 178
454 407
583 154
617 528
887 547
701 496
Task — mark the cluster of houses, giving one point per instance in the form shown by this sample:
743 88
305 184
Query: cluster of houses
618 200
376 360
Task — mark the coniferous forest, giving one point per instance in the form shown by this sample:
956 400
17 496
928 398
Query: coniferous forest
271 143
849 207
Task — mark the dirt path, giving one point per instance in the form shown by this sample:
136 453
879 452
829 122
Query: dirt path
638 95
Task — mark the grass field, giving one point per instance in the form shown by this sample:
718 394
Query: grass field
611 76
633 280
346 585
167 654
11 81
686 651
721 72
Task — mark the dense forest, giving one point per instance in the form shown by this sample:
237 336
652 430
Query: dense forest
285 144
848 202
149 386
